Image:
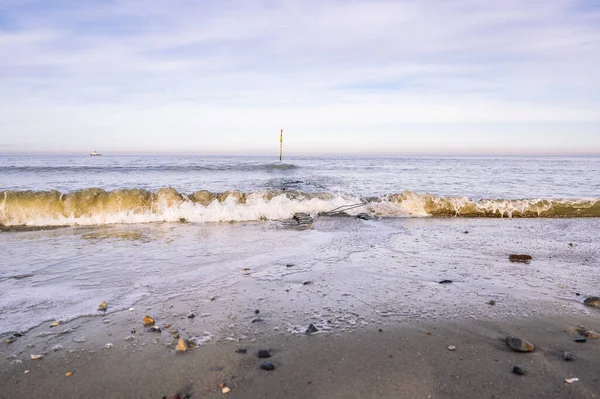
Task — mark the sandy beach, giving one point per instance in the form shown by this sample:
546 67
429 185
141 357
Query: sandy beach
403 361
372 289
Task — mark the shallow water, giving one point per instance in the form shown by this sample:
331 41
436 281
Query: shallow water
360 272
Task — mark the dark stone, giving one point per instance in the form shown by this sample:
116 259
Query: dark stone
241 350
258 320
21 276
518 370
17 334
289 265
191 316
363 216
592 301
520 258
264 354
446 282
311 329
519 345
569 356
577 294
267 366
581 340
466 232
380 330
155 329
256 311
306 282
492 302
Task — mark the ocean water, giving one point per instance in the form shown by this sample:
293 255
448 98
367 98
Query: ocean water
122 239
84 190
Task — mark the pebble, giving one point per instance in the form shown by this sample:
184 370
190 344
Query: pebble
289 265
492 302
56 348
103 306
306 282
571 380
519 345
257 320
592 301
191 315
445 282
148 321
36 357
592 335
108 346
69 373
518 370
155 329
241 350
452 347
581 340
267 366
54 324
520 258
264 354
569 356
130 338
311 329
182 346
226 390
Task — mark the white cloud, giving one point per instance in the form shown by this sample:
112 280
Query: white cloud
142 68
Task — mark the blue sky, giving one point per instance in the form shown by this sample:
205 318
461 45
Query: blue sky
381 77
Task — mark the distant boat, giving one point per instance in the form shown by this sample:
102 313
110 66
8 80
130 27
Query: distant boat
95 154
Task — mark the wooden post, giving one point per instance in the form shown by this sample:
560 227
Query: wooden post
280 144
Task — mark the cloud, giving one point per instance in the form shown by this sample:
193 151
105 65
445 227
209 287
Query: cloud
246 66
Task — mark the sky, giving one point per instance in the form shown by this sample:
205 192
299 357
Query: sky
340 77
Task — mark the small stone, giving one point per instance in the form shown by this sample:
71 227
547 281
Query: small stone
133 330
103 306
311 329
167 326
571 380
519 345
56 348
241 350
191 315
264 354
15 362
445 282
54 324
466 232
289 265
267 366
246 269
256 311
69 373
569 356
257 320
154 329
182 346
306 282
592 335
518 370
452 348
581 340
9 340
225 390
130 338
428 333
36 357
108 346
148 321
570 244
26 372
592 301
173 331
194 342
492 302
131 309
519 258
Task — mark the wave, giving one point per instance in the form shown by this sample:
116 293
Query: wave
94 206
239 167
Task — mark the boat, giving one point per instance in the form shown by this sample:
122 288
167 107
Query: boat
95 154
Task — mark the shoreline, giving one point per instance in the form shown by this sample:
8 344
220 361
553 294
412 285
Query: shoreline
386 361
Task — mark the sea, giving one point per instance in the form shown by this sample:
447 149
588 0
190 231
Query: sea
340 242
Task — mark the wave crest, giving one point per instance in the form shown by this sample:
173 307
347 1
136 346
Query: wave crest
94 206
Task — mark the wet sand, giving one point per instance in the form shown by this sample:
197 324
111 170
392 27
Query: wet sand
401 361
349 277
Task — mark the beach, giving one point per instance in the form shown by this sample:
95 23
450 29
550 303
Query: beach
370 287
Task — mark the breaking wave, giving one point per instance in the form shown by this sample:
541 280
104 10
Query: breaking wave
94 206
